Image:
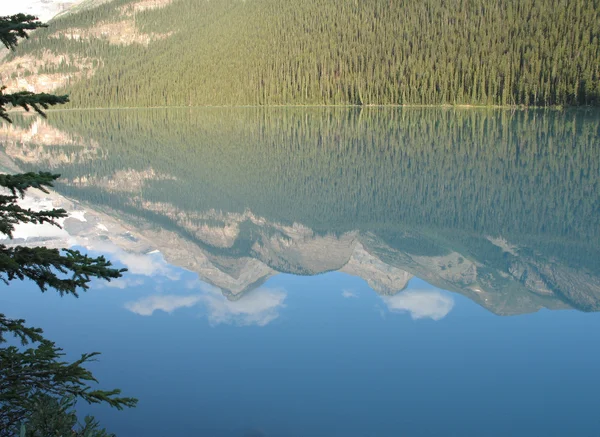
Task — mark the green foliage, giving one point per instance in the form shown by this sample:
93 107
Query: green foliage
342 52
28 100
12 28
46 267
65 271
10 211
38 389
17 328
54 417
18 183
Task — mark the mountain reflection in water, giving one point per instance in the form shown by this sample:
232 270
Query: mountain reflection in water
500 206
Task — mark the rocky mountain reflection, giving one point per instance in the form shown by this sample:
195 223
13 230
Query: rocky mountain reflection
500 206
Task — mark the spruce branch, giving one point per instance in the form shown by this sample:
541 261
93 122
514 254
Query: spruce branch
13 27
28 100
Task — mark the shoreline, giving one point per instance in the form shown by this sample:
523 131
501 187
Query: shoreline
444 106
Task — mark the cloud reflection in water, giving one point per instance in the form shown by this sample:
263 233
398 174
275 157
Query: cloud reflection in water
258 307
420 303
163 302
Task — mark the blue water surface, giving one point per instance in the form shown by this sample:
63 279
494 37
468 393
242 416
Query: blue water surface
324 356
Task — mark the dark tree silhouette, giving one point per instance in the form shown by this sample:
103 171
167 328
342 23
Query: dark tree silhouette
38 390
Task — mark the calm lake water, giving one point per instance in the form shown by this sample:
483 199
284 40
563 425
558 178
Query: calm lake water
328 272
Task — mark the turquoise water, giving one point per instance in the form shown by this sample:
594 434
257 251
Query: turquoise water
329 272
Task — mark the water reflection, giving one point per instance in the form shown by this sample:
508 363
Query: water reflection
259 307
167 303
420 304
499 206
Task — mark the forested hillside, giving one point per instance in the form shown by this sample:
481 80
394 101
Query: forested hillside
271 52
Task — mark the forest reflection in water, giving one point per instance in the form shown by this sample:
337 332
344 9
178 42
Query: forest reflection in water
500 206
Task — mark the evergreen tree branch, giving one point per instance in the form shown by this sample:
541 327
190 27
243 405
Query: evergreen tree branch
28 100
18 183
13 27
65 272
11 213
38 389
17 328
29 375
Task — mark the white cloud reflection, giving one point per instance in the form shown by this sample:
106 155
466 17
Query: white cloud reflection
348 294
258 307
165 302
122 283
420 303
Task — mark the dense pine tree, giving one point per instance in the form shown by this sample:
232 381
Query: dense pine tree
271 52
